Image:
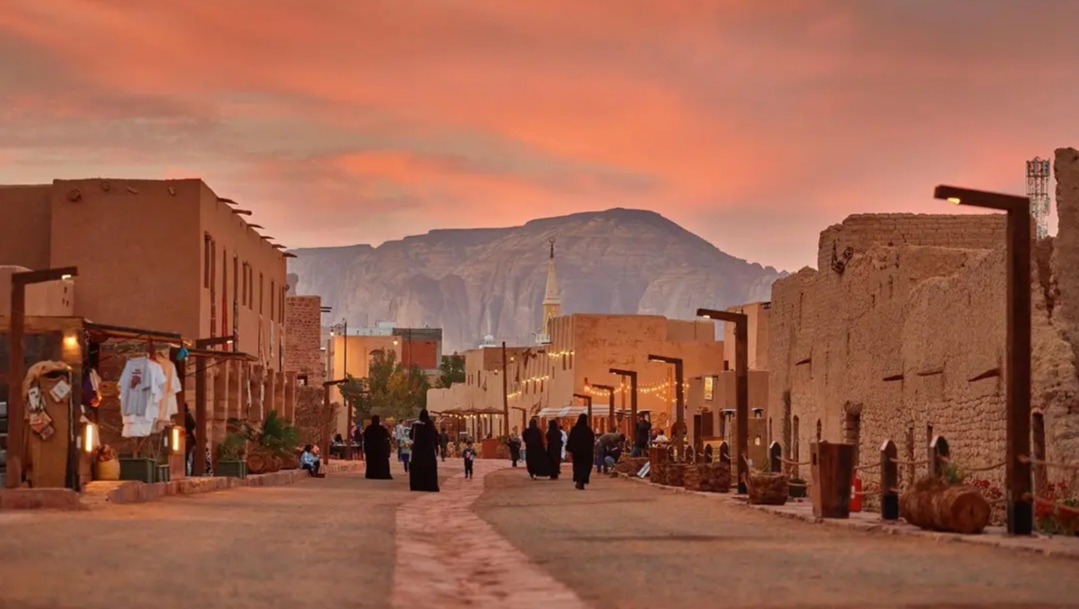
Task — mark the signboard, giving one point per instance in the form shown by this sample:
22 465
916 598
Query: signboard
709 388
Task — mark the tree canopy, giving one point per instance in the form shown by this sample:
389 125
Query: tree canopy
452 370
390 389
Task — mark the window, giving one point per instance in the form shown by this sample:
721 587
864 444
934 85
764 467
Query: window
281 306
250 288
224 274
247 272
262 293
273 292
207 256
235 280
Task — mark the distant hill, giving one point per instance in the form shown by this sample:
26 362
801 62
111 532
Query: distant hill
473 282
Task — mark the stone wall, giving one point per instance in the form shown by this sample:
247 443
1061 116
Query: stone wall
861 231
303 347
903 341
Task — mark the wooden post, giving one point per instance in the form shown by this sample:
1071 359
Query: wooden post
202 428
889 481
938 454
505 388
16 414
833 469
775 453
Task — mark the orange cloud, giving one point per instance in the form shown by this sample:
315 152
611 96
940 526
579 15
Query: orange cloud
754 124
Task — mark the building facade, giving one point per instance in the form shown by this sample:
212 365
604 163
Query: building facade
171 256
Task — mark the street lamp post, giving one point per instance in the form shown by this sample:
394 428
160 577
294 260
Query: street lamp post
1020 498
610 398
587 402
632 374
16 415
679 430
741 385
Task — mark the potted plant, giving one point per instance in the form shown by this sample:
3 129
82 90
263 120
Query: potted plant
273 445
767 488
106 464
139 467
230 456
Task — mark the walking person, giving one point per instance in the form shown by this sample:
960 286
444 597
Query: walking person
581 442
189 440
469 455
425 448
357 440
404 452
443 443
564 438
536 459
376 450
556 450
514 443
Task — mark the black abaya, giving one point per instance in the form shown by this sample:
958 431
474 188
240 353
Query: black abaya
423 468
376 450
581 443
554 449
535 454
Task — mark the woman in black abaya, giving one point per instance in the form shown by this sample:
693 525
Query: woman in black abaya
376 450
554 449
535 455
423 469
581 443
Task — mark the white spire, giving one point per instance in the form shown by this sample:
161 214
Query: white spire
550 295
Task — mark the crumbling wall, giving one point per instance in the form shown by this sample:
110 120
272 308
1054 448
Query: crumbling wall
859 232
911 339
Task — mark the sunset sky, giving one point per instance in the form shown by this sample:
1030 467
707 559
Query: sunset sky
753 123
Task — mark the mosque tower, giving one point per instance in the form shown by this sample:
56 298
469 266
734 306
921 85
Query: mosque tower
552 302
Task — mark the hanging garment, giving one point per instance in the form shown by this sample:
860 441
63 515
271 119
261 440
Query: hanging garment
167 406
142 386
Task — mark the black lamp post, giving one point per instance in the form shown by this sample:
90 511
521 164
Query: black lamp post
632 374
679 429
741 386
1020 498
610 399
587 402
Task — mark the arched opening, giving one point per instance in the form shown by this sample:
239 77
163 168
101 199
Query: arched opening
757 441
1037 429
770 440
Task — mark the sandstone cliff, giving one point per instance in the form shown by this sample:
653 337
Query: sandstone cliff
473 282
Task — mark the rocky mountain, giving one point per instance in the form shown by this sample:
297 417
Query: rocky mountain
472 282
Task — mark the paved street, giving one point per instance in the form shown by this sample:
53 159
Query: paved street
348 542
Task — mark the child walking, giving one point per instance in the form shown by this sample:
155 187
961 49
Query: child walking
469 454
405 448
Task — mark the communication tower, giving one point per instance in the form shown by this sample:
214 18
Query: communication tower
1038 191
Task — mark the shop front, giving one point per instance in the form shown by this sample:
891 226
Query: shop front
75 428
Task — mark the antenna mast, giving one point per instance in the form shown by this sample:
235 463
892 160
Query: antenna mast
1038 191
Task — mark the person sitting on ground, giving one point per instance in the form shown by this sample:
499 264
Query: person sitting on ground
309 460
612 456
469 455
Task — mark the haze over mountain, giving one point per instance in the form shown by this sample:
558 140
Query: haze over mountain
473 282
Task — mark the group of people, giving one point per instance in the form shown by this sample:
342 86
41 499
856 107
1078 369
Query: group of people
418 449
544 459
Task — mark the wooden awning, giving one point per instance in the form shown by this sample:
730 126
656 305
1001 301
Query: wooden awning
104 332
230 355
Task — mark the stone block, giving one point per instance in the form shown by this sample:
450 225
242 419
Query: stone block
39 499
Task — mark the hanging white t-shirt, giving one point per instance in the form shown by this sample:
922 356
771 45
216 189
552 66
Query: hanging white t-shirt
142 385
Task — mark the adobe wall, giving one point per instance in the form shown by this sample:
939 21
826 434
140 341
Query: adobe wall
911 338
861 231
303 328
25 232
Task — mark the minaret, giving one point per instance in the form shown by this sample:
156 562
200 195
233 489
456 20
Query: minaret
552 302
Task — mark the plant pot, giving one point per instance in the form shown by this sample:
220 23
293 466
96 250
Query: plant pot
797 492
767 488
232 469
107 470
162 473
134 468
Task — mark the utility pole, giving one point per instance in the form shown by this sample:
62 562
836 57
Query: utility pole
505 389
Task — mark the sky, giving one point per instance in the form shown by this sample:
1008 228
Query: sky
755 124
